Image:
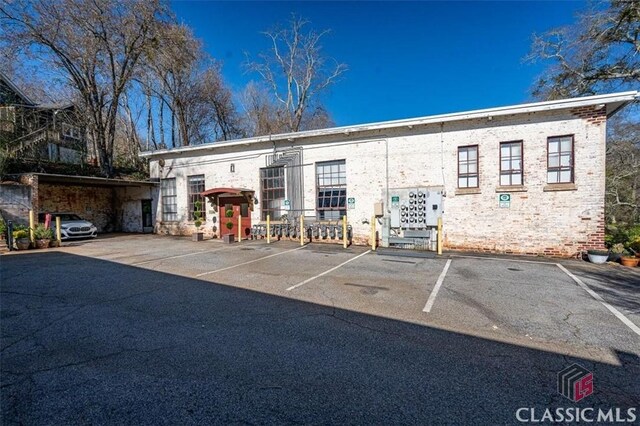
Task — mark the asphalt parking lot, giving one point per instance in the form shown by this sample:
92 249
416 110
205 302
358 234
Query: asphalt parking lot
150 329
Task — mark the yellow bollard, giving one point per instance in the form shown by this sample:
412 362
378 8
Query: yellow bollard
58 232
239 228
31 226
439 235
344 232
268 229
302 230
373 233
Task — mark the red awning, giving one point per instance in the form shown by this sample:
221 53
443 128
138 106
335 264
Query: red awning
225 191
214 193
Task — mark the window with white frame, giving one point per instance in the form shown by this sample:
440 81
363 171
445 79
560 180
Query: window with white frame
195 187
468 166
71 132
511 170
560 159
331 184
272 183
169 200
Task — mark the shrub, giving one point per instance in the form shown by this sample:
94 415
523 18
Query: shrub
41 232
20 233
627 235
229 225
229 213
197 214
3 226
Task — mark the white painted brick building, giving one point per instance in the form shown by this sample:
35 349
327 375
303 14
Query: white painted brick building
549 157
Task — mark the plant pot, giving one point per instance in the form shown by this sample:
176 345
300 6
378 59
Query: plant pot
23 243
42 244
228 238
629 261
598 257
197 236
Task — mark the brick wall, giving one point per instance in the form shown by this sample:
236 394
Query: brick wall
95 204
542 219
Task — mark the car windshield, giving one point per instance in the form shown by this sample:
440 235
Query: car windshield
64 217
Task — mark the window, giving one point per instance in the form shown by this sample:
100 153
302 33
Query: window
511 163
194 189
560 159
272 186
71 132
169 200
468 166
332 189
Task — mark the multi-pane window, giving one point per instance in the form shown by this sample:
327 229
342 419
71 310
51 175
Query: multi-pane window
272 187
560 159
468 166
169 200
511 163
195 187
332 189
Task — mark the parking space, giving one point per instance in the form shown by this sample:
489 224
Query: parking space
168 328
528 302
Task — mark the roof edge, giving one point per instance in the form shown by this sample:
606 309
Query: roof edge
621 98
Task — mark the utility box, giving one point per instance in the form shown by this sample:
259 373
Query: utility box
378 209
415 208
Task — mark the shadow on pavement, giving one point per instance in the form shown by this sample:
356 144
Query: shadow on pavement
91 341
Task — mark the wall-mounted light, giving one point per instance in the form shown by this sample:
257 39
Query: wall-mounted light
232 168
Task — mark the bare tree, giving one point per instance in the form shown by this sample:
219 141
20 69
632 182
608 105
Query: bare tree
601 52
98 44
296 71
260 115
189 83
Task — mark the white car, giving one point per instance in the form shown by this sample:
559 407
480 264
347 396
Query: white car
71 225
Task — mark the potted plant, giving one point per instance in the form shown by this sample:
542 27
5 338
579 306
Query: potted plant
197 216
21 237
229 237
42 236
598 256
629 259
3 229
616 252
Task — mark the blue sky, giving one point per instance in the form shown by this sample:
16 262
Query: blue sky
406 59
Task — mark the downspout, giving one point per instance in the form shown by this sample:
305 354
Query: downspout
386 143
442 158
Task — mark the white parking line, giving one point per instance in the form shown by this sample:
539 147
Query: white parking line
434 292
175 257
503 259
326 272
251 261
596 296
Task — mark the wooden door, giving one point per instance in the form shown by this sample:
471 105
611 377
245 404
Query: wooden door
237 206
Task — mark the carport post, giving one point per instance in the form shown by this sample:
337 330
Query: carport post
439 235
58 233
268 229
31 225
239 228
302 230
344 231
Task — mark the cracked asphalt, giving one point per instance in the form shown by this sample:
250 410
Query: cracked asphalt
127 330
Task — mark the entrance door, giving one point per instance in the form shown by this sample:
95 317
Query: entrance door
230 209
147 217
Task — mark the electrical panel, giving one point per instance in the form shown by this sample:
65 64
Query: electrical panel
415 208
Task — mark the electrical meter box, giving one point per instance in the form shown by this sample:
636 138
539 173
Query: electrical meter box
415 208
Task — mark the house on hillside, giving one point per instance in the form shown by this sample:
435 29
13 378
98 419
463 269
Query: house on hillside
51 169
526 179
36 131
